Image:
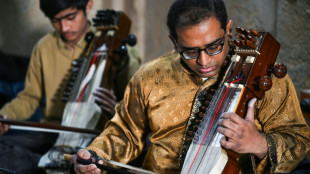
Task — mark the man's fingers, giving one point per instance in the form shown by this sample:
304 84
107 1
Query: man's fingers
103 92
228 143
250 112
3 127
110 104
228 133
232 116
91 168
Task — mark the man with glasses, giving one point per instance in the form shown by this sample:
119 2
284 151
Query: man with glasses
159 99
46 79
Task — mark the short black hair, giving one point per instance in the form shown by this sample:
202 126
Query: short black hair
51 7
186 13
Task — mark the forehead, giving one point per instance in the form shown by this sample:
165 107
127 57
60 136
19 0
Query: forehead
65 12
201 34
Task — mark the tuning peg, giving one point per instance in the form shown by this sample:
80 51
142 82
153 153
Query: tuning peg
240 36
208 96
64 99
236 43
243 44
247 32
250 44
197 121
233 43
206 103
89 37
240 30
75 69
249 37
130 40
105 17
191 133
265 83
75 63
203 109
201 114
71 83
278 70
66 96
122 50
189 139
107 12
255 33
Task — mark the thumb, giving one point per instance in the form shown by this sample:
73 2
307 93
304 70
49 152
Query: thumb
250 112
83 153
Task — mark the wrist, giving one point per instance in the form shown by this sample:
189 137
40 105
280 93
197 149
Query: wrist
262 149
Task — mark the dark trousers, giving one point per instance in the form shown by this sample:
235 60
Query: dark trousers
21 152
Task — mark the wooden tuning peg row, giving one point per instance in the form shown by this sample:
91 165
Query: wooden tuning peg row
243 31
247 44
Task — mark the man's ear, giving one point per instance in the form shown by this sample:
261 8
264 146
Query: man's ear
173 41
89 6
229 28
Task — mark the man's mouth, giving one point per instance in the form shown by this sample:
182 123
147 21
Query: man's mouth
68 35
207 69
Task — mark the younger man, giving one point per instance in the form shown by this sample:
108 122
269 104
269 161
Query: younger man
46 79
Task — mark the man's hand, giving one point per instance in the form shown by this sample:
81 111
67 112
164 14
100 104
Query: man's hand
85 169
106 100
241 135
3 127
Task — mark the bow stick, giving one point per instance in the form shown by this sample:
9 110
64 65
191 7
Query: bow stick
46 127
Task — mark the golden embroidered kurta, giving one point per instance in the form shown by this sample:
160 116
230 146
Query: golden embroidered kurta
48 73
158 102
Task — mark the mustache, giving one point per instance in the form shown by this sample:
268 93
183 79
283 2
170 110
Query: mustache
64 33
207 66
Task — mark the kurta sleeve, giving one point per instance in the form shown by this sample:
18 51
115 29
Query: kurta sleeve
123 138
281 121
27 101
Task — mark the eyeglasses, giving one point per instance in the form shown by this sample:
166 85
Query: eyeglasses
211 50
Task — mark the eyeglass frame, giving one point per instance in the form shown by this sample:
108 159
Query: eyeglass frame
204 49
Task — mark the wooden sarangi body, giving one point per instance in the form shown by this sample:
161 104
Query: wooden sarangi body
247 76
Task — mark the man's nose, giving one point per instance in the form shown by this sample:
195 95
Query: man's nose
65 25
203 59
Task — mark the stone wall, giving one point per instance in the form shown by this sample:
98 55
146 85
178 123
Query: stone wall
22 24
